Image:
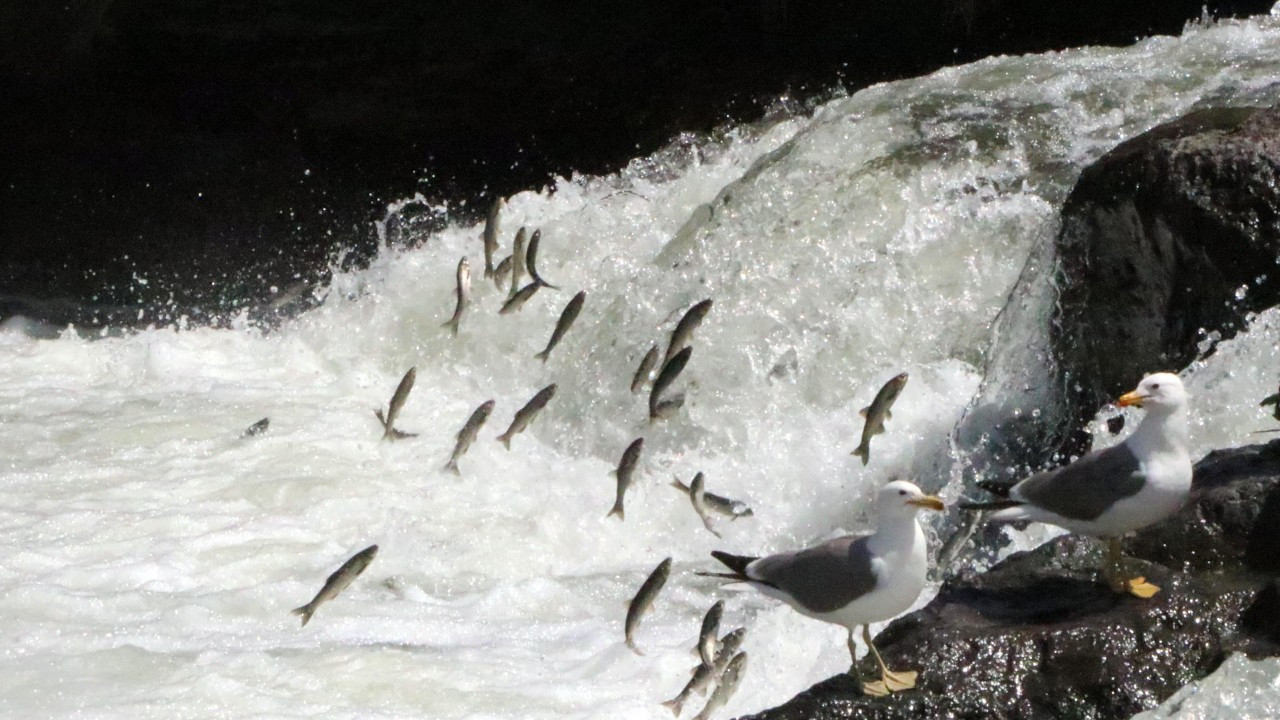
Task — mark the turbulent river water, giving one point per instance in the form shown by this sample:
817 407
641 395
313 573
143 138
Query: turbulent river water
149 556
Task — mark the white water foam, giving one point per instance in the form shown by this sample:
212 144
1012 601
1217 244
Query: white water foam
149 558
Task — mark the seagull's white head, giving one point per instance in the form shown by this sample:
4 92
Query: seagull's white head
901 498
1159 391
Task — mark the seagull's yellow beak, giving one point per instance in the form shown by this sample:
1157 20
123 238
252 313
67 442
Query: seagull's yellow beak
929 502
1130 398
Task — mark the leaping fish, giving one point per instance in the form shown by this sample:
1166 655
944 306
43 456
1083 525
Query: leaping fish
337 582
526 414
393 409
626 468
464 294
877 412
670 371
531 259
704 674
684 329
567 316
646 366
468 434
726 686
491 235
643 600
517 261
733 508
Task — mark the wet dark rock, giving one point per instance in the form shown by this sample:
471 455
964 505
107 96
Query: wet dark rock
1168 240
1041 636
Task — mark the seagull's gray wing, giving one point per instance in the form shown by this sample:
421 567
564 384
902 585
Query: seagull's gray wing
1087 487
822 578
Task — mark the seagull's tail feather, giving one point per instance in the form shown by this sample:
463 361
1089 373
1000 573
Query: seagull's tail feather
994 505
737 563
999 489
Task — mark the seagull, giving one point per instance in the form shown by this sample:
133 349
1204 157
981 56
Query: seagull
852 580
1115 491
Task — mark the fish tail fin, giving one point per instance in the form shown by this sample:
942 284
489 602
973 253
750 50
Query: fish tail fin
506 440
400 434
674 705
863 412
452 466
631 644
543 355
306 611
675 483
617 510
452 324
863 451
381 418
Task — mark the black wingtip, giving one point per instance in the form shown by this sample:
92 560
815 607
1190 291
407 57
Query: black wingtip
996 505
737 563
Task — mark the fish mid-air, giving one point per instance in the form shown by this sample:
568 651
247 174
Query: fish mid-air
647 363
852 580
723 505
531 260
526 414
626 468
705 674
257 428
467 434
567 316
671 369
337 582
684 329
709 634
725 686
517 262
515 302
463 292
643 600
877 412
393 409
491 235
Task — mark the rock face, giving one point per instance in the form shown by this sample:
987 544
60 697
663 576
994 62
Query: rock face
1171 236
1040 636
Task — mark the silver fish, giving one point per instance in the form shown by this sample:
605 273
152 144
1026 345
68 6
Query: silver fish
338 582
531 259
643 600
704 674
877 412
500 272
723 505
626 468
257 428
646 367
491 235
670 371
393 409
708 636
725 688
463 292
515 302
567 316
468 434
517 262
698 496
684 329
526 414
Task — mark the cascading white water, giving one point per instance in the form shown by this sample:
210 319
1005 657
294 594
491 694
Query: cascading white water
149 558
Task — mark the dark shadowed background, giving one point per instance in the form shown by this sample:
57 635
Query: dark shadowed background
219 147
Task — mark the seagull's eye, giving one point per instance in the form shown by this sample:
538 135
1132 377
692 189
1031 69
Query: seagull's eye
902 492
1155 386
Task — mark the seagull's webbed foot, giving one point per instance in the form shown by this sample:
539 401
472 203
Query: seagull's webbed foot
1138 586
889 681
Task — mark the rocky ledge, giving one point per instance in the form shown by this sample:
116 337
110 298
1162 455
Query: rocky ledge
1040 635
